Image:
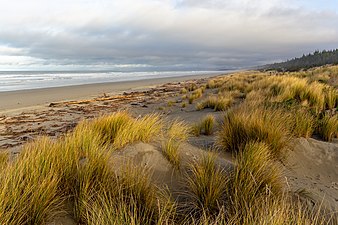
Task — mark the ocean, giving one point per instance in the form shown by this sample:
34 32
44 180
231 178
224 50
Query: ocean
13 81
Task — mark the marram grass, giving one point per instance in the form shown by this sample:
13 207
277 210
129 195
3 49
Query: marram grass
205 188
246 124
75 170
170 149
205 126
216 103
328 127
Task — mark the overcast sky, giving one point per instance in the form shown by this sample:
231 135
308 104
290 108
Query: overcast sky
163 34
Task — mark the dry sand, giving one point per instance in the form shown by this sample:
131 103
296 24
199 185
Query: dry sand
25 115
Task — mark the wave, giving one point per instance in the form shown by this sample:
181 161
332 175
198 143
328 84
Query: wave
12 81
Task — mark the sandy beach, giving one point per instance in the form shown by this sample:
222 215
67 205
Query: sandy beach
18 101
27 114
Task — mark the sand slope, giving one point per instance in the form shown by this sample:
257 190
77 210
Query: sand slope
312 167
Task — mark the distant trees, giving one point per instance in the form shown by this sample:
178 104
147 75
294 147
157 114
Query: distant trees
306 61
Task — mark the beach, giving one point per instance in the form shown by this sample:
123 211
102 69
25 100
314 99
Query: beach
28 114
18 101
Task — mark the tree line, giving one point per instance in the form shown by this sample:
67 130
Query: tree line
317 58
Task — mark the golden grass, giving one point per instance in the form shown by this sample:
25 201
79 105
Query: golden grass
191 87
29 188
176 133
170 103
197 93
214 83
75 170
170 151
120 129
211 84
4 158
331 98
127 198
177 130
196 129
141 129
208 123
109 126
183 91
47 174
205 188
253 193
289 88
205 126
302 124
247 124
328 127
216 103
256 178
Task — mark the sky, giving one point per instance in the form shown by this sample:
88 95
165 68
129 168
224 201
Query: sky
161 34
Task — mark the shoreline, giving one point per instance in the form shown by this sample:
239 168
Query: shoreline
17 101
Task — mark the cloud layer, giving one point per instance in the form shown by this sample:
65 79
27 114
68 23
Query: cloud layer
163 34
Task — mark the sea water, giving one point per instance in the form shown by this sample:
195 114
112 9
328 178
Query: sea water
13 81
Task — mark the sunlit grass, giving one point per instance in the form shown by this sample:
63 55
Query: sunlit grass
216 103
76 171
4 158
247 124
170 151
176 133
29 188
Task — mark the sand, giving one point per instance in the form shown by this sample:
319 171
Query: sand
25 115
17 101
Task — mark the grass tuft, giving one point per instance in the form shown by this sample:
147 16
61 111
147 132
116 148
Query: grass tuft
216 103
331 98
205 126
328 127
170 151
206 185
255 177
29 187
208 123
245 125
178 131
303 124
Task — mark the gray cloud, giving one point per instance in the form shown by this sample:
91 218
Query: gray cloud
179 34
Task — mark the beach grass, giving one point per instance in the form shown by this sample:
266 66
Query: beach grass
205 126
205 188
328 127
73 175
170 151
247 124
215 103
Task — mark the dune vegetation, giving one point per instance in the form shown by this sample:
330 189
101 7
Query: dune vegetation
73 175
